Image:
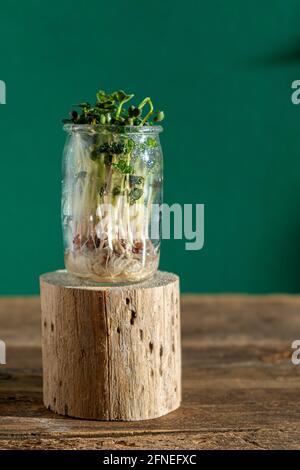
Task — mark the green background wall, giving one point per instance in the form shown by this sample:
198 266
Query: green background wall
221 70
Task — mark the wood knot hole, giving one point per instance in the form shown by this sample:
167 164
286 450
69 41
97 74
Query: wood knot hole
133 317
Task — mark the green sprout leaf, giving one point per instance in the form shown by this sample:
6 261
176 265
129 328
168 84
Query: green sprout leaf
123 167
129 146
102 96
160 116
151 142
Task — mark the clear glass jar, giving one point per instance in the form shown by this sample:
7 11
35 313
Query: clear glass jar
112 181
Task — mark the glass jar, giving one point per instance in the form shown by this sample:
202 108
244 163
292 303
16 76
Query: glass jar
111 188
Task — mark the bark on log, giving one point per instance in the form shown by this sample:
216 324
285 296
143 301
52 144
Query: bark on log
113 352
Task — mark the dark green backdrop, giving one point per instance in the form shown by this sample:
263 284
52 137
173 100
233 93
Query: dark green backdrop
222 71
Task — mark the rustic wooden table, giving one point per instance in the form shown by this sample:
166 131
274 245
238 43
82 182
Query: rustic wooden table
240 389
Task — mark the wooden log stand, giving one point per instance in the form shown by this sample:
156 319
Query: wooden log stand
113 352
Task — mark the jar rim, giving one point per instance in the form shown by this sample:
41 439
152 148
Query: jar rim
98 128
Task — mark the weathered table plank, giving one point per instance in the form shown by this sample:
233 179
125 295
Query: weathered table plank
240 389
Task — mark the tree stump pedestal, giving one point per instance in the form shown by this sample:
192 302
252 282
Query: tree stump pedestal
111 352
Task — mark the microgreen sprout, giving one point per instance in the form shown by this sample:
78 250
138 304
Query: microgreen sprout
109 110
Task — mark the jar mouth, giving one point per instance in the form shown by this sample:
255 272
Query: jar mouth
105 129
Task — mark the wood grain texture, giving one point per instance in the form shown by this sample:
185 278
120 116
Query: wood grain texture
240 389
111 353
